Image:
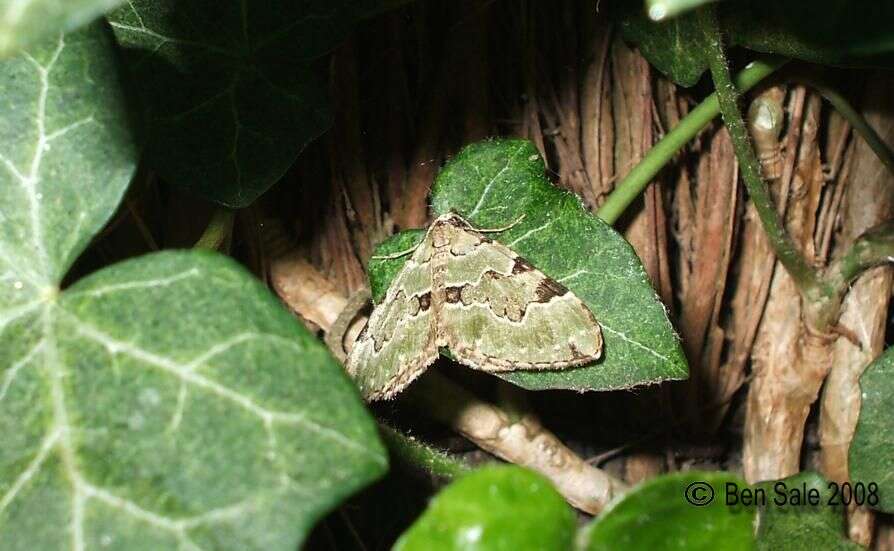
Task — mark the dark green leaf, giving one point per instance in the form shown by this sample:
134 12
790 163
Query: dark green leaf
674 47
25 22
872 450
656 515
494 509
785 525
383 270
167 402
229 94
492 184
834 32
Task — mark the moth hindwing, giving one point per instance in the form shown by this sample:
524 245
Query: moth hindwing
491 308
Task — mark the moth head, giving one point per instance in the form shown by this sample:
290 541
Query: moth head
452 219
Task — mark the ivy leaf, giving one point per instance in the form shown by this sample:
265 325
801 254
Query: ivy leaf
839 32
492 184
675 46
494 508
787 526
24 22
229 94
656 515
833 32
383 270
871 455
161 403
63 125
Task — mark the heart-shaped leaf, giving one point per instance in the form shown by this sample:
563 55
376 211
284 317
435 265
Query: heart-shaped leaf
659 515
24 22
493 184
167 402
871 456
493 509
229 95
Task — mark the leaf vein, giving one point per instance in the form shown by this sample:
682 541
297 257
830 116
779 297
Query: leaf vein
638 344
490 184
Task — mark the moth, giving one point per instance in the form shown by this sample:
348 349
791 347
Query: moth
491 308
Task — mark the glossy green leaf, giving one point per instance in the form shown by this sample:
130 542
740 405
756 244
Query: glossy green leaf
25 22
382 270
503 508
656 515
492 184
785 524
674 47
872 449
63 126
229 95
835 32
167 402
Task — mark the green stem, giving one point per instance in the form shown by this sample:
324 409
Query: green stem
413 452
873 248
846 110
218 230
662 152
802 273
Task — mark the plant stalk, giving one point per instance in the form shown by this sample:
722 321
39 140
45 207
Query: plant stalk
662 152
218 230
804 276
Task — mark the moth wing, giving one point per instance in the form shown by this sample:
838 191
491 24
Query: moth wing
500 313
398 342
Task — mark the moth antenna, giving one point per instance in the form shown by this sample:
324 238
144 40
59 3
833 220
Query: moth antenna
398 254
504 228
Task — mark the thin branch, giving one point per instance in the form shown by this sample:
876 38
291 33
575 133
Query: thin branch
662 152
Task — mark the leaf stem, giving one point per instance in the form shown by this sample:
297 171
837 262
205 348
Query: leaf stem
874 248
804 276
410 451
662 152
218 230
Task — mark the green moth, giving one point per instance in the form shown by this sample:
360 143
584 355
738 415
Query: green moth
468 293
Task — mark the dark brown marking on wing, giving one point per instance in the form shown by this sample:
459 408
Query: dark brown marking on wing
425 302
549 288
521 266
457 222
575 353
454 294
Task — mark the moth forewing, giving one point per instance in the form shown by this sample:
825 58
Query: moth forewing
398 342
501 313
492 309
